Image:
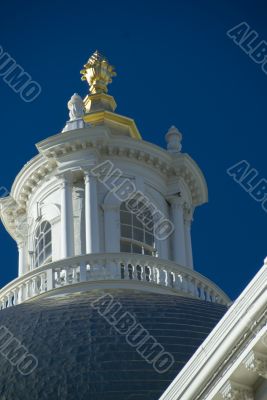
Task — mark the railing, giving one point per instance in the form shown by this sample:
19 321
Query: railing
108 267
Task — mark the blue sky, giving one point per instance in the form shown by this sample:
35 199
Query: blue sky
175 65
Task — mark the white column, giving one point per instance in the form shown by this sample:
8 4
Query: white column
178 236
112 227
66 217
22 258
162 247
79 223
91 214
188 243
31 260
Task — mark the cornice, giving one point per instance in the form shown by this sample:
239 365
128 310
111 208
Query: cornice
30 177
100 141
13 218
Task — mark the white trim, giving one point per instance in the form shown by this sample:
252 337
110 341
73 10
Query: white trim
208 360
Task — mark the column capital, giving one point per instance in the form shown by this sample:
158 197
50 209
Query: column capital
235 391
87 174
256 362
65 178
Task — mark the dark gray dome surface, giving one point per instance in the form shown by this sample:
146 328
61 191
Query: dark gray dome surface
82 357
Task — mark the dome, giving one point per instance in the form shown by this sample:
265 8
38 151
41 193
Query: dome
107 304
81 356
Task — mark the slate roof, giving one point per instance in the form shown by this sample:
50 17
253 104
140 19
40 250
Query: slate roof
82 357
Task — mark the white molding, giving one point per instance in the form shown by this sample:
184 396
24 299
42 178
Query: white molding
204 369
102 143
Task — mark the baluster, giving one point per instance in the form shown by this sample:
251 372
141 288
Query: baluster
139 273
130 271
74 274
122 271
57 277
185 284
20 294
142 273
208 298
49 279
43 283
202 292
83 272
126 271
178 282
162 277
4 302
15 299
168 279
34 286
68 276
64 274
155 275
134 271
192 285
147 273
212 296
9 299
28 293
197 290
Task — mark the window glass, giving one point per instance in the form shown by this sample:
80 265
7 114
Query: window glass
126 231
136 249
126 218
43 244
137 234
126 247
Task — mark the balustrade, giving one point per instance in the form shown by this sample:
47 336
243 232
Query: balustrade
111 266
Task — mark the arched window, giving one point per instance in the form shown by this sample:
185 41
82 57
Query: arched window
43 244
136 236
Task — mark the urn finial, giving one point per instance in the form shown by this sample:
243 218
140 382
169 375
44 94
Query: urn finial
98 73
173 138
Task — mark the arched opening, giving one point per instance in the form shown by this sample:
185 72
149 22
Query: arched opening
43 244
137 236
